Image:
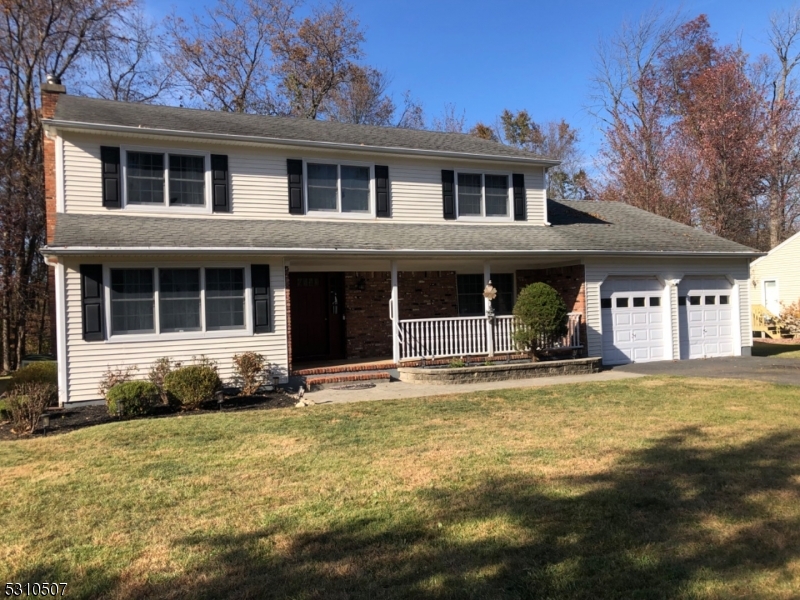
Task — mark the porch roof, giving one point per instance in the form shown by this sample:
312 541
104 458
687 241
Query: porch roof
578 227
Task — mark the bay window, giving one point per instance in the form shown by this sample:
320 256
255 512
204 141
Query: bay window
482 195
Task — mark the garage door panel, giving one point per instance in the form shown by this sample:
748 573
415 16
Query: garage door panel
632 317
706 318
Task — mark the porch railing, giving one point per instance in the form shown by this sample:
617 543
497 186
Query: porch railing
469 336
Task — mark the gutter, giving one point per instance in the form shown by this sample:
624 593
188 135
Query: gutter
127 129
77 250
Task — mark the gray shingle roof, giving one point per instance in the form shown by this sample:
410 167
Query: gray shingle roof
577 226
78 109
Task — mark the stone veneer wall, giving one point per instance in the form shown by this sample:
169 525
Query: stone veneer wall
570 282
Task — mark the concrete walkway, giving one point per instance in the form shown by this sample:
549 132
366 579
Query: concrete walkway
398 389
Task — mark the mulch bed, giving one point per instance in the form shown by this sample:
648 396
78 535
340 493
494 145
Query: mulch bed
73 418
790 341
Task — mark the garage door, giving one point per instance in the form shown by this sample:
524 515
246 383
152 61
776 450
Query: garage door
706 318
633 321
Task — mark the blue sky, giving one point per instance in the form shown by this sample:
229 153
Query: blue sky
487 56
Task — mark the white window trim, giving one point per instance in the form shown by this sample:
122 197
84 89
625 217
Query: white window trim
338 214
509 197
205 209
246 331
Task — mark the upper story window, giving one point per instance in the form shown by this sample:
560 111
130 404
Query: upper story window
483 195
339 188
165 179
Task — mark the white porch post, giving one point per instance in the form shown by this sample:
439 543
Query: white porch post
487 307
395 314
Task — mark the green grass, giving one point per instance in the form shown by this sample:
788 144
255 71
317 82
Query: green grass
647 488
781 350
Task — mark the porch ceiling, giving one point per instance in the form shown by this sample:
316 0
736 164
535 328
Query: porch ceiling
578 228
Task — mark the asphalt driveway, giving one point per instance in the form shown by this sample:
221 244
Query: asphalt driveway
768 369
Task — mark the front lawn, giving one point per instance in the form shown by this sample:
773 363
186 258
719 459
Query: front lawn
647 488
782 350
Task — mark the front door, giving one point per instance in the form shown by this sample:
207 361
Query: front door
317 309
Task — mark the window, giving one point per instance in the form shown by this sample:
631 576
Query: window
638 302
655 301
470 294
338 188
172 300
711 300
482 195
132 309
622 303
153 177
179 299
224 299
723 299
694 300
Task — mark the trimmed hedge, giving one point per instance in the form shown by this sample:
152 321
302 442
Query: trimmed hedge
192 385
38 372
132 398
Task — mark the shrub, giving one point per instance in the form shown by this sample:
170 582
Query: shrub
113 377
26 403
131 398
542 318
251 372
158 372
38 372
193 384
790 318
457 363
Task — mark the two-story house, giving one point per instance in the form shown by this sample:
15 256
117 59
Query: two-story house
179 232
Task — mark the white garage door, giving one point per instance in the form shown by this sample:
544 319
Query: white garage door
706 318
633 321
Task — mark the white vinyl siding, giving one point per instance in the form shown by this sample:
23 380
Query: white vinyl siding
258 180
87 361
780 265
598 269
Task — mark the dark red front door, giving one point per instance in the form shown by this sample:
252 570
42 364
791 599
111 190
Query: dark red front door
317 315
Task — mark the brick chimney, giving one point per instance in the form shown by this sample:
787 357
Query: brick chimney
51 92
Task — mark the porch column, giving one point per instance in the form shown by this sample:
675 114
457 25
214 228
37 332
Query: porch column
487 307
394 312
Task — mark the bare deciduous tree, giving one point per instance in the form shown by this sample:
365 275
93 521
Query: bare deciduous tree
362 99
223 58
315 57
128 64
37 37
450 121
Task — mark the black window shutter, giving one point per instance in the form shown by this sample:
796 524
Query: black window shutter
92 302
449 194
384 207
294 169
519 196
260 279
219 183
109 156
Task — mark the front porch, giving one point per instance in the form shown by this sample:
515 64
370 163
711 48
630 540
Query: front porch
348 315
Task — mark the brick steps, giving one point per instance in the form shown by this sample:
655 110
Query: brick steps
366 367
317 382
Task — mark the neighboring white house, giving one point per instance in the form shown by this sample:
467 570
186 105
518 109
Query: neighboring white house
179 232
776 276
